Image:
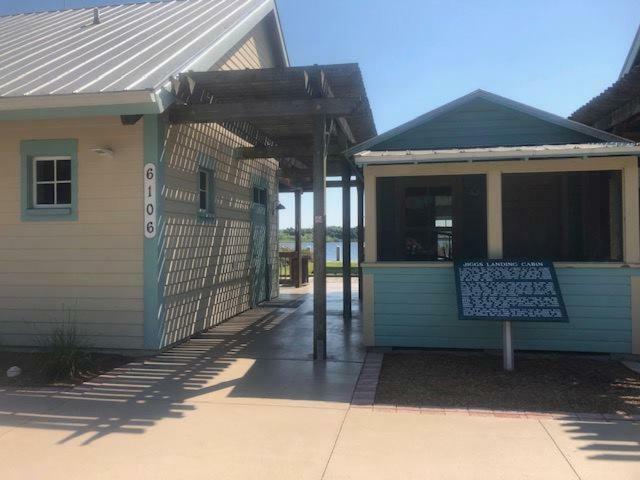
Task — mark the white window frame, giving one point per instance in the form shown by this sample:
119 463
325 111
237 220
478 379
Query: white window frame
54 182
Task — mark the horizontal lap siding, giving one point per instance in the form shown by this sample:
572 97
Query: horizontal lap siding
206 268
86 272
417 308
481 123
205 264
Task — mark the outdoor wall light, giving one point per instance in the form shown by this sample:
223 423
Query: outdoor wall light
103 151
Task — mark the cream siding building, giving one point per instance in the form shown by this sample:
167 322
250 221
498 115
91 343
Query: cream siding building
87 262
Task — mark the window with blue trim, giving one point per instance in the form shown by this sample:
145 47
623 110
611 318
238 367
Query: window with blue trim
49 179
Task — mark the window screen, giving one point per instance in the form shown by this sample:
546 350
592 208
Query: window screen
432 218
203 179
567 216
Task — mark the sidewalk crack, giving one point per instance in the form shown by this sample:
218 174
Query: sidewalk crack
560 450
335 442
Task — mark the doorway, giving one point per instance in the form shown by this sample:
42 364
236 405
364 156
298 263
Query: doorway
259 247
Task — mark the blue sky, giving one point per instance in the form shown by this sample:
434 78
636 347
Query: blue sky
418 54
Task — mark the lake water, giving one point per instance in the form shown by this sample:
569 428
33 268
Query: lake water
331 249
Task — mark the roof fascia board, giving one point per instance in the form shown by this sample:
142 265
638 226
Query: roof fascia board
631 56
164 98
206 59
410 157
76 100
83 105
535 112
280 32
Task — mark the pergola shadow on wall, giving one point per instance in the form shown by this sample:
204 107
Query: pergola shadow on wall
306 118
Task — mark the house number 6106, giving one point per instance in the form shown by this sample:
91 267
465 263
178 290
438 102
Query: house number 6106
150 222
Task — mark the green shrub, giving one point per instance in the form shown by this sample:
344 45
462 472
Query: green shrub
66 354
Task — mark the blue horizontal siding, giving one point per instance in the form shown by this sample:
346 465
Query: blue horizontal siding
416 307
481 123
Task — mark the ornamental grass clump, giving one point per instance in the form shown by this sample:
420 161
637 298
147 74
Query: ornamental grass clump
66 356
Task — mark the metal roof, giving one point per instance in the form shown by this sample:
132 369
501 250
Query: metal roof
498 153
599 110
133 47
632 56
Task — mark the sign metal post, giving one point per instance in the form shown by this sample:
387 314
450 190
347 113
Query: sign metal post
508 291
507 346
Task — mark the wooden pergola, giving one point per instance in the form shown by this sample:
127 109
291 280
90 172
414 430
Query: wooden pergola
305 117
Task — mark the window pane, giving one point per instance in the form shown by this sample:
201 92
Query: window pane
44 170
256 195
64 193
203 180
432 218
63 170
45 194
203 200
568 216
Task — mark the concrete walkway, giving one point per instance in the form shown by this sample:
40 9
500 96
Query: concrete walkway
245 400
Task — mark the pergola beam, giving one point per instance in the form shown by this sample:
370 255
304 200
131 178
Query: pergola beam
619 115
253 110
300 150
340 183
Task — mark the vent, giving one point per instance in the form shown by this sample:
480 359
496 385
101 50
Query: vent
96 16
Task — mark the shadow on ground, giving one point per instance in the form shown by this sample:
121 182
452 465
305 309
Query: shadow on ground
261 356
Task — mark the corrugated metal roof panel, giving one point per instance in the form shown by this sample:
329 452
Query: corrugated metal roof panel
498 153
134 47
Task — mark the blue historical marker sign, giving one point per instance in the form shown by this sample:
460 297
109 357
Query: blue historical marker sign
509 290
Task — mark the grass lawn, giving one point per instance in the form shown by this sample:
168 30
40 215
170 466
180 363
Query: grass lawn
540 382
334 269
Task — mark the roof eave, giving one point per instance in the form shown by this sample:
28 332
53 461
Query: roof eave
416 156
632 55
85 104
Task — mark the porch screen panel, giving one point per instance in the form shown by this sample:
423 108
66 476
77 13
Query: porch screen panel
566 216
432 218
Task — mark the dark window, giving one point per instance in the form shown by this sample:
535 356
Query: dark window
260 196
432 218
51 182
568 216
204 189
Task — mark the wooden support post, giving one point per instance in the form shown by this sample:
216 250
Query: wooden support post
297 282
360 236
319 237
346 241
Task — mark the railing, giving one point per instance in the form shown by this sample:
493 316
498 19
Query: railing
288 270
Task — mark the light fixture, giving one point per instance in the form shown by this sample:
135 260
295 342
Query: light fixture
103 151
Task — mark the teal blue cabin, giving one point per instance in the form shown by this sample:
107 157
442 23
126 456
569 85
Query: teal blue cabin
487 177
